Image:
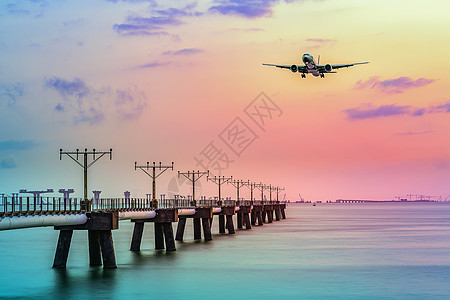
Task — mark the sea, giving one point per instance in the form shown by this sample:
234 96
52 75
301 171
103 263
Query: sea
327 251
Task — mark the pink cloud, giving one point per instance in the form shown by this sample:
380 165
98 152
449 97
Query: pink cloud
392 86
381 111
314 43
370 112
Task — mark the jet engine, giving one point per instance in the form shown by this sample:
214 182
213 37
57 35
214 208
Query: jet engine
328 68
294 68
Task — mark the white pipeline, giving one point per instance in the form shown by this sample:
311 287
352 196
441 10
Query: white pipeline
186 211
137 215
41 221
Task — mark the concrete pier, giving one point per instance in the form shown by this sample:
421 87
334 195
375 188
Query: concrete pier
201 219
268 211
226 219
99 226
163 230
282 210
245 212
258 210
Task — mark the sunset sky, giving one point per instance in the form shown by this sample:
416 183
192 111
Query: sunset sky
184 82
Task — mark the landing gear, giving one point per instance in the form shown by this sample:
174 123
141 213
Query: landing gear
303 75
322 75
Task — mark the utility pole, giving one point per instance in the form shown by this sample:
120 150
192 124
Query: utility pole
278 189
269 188
237 184
251 186
193 177
219 181
85 205
261 187
153 175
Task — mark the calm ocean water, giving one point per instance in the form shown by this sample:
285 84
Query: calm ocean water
328 251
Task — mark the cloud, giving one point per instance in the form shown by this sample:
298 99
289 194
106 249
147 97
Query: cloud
154 65
315 43
10 93
370 112
415 132
443 108
381 111
155 25
248 9
17 144
253 29
392 86
26 8
185 51
151 2
316 40
85 104
8 163
76 88
14 9
130 103
79 100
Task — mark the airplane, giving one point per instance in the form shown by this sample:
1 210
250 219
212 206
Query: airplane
312 68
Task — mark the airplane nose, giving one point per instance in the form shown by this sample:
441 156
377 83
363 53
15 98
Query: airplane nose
306 59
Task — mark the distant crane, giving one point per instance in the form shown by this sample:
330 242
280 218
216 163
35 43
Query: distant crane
301 198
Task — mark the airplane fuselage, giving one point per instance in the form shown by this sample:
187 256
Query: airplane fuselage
310 64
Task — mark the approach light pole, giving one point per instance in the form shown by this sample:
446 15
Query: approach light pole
153 175
193 177
85 205
219 181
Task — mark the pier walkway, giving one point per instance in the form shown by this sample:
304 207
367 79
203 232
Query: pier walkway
101 216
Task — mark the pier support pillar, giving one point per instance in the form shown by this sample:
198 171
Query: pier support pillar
163 230
229 225
221 224
206 229
245 212
62 249
159 236
197 229
240 218
137 236
95 258
99 226
247 221
180 229
258 213
227 214
282 208
277 212
168 236
259 218
201 219
107 246
270 216
253 217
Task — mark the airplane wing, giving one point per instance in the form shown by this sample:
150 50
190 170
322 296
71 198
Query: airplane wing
278 66
347 65
300 69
